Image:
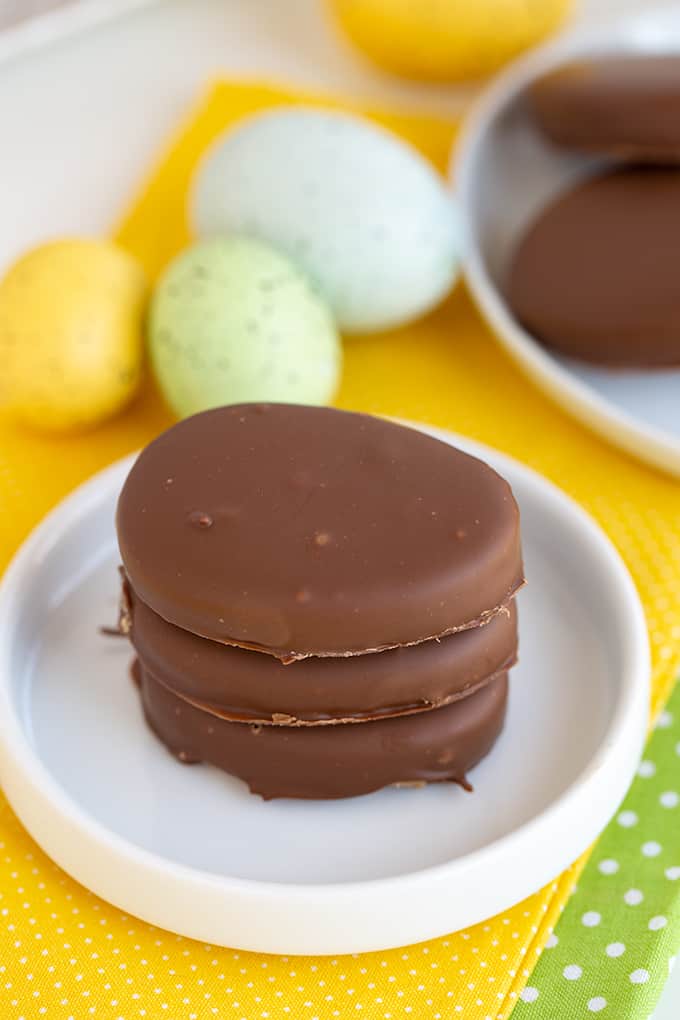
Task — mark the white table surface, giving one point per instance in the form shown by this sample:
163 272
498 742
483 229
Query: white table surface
82 118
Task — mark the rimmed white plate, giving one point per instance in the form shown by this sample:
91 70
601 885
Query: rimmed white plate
505 172
189 849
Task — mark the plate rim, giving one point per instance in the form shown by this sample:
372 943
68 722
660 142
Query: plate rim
32 791
601 414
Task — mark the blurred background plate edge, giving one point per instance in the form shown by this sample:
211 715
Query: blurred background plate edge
654 30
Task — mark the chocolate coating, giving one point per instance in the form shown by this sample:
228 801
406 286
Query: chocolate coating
332 761
310 531
245 685
596 275
627 107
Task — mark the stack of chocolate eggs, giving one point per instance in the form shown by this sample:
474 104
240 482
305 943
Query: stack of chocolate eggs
320 602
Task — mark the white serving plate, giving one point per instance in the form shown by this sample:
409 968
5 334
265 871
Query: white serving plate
189 849
505 172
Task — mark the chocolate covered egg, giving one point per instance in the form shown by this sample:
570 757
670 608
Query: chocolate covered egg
363 213
71 333
232 321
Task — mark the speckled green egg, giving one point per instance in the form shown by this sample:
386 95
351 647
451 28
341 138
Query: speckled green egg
232 320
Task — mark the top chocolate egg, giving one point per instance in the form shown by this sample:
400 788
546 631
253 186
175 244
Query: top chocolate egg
310 531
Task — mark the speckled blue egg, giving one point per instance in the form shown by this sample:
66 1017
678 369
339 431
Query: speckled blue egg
361 211
232 321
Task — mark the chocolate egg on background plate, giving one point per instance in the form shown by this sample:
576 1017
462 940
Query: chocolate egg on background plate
509 172
71 336
364 214
233 320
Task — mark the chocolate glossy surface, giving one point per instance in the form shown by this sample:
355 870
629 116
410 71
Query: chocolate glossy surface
246 685
332 761
596 275
311 531
625 107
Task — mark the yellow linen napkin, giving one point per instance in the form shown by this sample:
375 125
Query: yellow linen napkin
64 951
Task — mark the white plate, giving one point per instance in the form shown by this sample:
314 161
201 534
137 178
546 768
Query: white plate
504 173
189 849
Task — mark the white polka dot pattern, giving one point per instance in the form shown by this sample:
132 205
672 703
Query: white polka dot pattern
618 940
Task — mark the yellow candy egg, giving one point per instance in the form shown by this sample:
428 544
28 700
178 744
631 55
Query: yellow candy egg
71 328
447 39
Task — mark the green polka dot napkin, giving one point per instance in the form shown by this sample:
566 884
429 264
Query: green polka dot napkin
615 944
